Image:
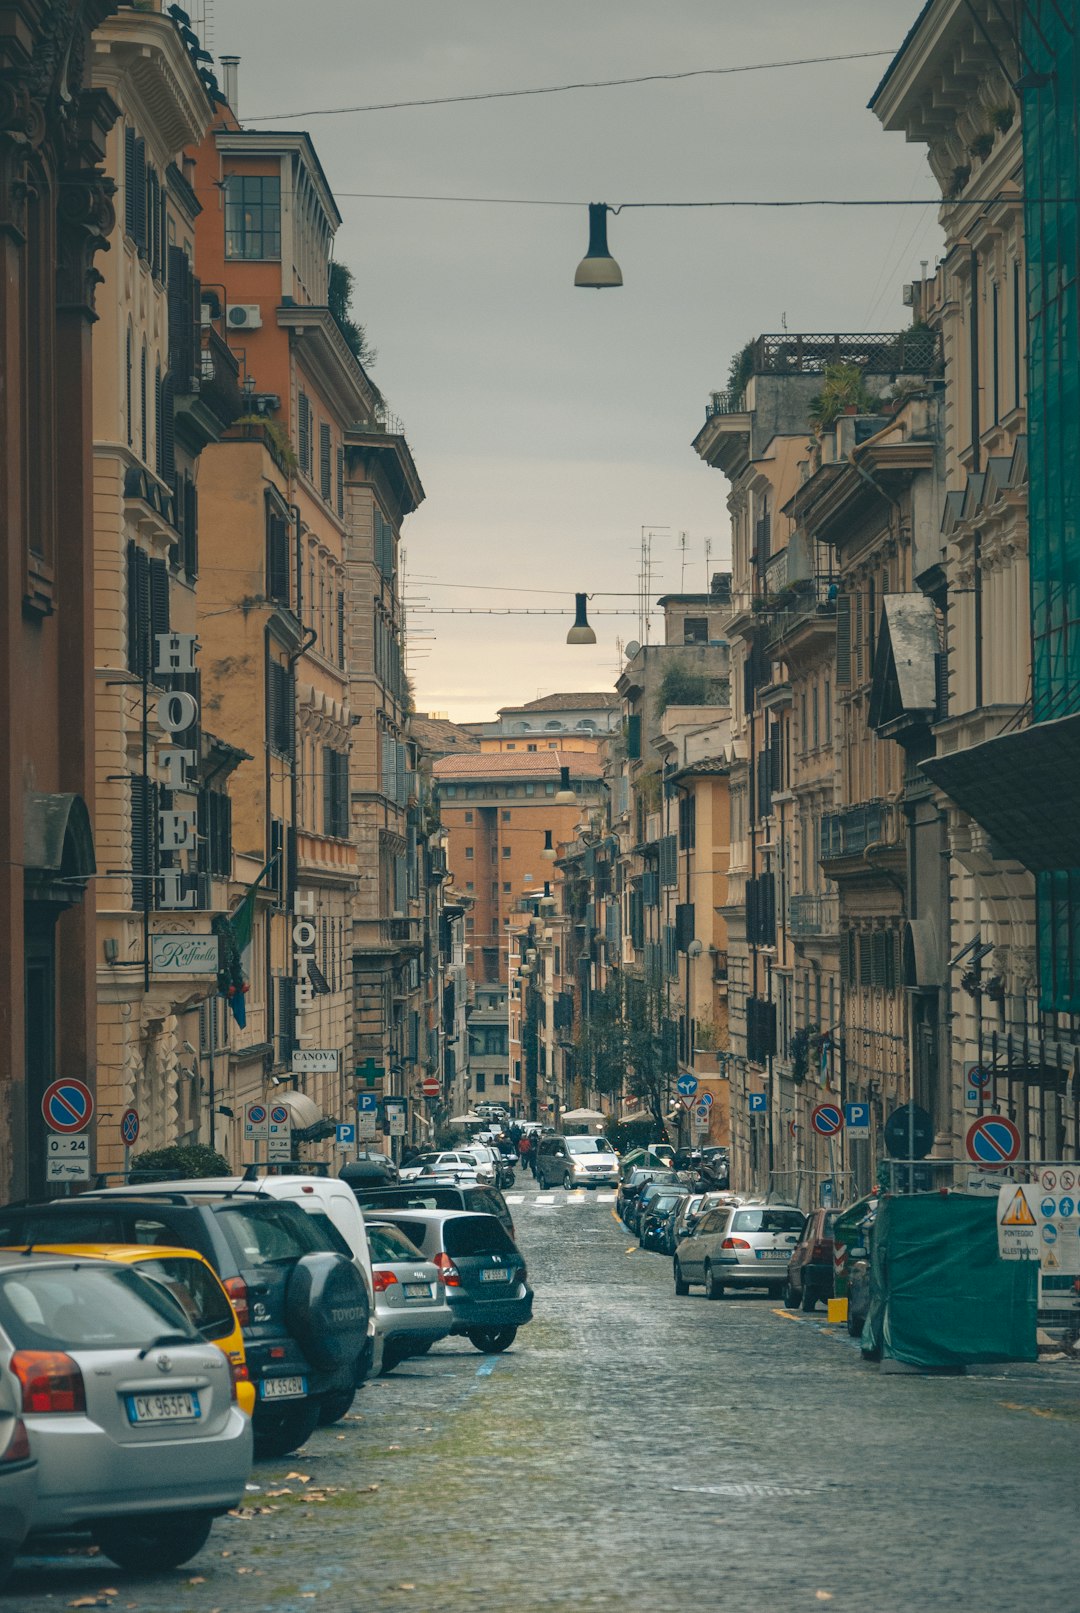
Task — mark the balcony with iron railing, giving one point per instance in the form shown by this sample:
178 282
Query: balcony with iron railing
812 914
850 831
915 351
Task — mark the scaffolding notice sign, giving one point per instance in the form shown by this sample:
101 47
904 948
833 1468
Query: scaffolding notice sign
1034 1224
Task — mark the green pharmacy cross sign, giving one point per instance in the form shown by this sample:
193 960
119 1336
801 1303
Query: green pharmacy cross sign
369 1072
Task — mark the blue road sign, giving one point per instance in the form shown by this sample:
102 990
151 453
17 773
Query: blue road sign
857 1119
827 1119
757 1102
687 1085
1048 1207
67 1105
1066 1207
1049 1233
129 1127
346 1134
367 1103
993 1140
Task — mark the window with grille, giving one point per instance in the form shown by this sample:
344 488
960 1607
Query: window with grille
336 794
253 216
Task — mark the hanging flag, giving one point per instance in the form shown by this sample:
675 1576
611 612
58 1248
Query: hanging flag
234 931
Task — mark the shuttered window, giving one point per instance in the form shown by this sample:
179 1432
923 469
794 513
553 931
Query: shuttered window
669 860
336 794
278 569
341 481
159 603
843 642
138 610
139 185
281 716
325 460
304 433
143 842
215 833
129 181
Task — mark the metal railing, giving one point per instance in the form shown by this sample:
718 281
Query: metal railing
847 833
810 914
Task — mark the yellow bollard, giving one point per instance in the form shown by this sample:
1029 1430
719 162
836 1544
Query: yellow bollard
837 1310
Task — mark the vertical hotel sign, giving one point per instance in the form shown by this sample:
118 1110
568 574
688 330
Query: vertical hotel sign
177 712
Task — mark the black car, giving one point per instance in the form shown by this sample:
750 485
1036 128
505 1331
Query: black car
439 1195
302 1305
626 1205
370 1170
483 1272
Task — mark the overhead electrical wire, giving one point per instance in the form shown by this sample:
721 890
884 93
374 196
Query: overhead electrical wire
564 89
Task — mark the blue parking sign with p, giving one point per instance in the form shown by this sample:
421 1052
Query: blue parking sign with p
857 1119
757 1102
367 1103
346 1135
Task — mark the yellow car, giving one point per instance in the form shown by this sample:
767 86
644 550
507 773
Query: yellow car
195 1286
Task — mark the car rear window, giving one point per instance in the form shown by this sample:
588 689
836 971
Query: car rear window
87 1307
389 1244
768 1221
197 1292
272 1234
476 1235
830 1222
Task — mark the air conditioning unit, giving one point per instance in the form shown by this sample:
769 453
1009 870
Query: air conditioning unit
244 316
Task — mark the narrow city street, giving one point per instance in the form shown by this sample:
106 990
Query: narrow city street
642 1451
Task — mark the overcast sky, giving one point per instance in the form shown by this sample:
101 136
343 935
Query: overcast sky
550 424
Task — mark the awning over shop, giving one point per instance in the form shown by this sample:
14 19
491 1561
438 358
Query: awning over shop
904 682
58 847
309 1123
1023 789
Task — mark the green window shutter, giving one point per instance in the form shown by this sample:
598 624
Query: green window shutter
843 642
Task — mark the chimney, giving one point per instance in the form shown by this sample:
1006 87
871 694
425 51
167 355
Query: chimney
230 72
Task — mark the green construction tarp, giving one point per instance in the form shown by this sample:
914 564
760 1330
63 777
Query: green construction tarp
940 1294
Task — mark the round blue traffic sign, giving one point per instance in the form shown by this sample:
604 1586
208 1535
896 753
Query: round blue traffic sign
1048 1207
993 1140
67 1105
129 1127
687 1085
279 1115
827 1119
256 1114
1066 1207
1049 1233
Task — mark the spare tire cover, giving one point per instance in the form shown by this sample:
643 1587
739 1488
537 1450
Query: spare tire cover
327 1309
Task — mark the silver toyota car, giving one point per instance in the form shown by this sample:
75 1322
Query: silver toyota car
410 1300
131 1416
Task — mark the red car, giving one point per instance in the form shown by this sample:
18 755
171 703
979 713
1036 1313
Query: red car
810 1269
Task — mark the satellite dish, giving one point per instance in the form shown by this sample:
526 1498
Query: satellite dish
632 649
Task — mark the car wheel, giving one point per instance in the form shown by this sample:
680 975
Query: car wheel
567 1181
491 1340
332 1408
284 1431
713 1289
682 1287
143 1545
809 1297
791 1298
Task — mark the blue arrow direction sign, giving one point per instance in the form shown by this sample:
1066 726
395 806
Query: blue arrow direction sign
757 1102
346 1135
687 1085
1066 1207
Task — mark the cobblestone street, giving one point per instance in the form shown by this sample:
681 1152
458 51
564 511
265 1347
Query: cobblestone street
638 1450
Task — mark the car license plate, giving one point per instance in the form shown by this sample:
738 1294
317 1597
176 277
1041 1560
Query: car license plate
774 1254
493 1274
173 1408
282 1388
417 1290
